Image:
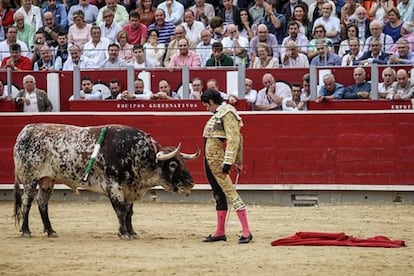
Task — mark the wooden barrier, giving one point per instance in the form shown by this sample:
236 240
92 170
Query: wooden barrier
319 148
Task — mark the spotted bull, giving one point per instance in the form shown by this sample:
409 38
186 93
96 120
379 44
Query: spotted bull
129 163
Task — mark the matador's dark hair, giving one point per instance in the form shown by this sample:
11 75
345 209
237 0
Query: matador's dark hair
211 94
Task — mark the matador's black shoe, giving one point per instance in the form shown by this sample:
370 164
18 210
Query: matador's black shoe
245 239
211 238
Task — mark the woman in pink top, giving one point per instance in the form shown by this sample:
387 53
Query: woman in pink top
125 49
80 32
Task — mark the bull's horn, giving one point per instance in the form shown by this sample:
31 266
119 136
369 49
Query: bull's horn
161 156
191 156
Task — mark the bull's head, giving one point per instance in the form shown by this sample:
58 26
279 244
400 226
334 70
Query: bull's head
174 169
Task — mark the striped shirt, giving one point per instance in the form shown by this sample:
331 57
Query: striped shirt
165 31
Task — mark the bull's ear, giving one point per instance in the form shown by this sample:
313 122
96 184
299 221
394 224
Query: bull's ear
173 166
161 156
191 156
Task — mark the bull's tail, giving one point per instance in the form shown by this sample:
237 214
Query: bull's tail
17 203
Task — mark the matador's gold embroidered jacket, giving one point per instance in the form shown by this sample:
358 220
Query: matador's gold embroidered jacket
224 126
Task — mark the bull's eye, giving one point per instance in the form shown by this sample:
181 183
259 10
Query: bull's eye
173 166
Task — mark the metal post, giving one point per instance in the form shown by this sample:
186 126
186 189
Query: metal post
240 81
9 84
130 79
186 82
76 82
374 81
313 81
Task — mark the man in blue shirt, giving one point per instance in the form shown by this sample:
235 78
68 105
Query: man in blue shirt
324 57
361 89
331 90
59 11
404 55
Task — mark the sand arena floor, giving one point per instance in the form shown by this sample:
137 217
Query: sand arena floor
170 237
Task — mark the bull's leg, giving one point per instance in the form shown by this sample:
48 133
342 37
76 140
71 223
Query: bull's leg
45 191
28 196
130 229
121 212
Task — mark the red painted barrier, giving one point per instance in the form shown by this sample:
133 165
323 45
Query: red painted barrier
367 147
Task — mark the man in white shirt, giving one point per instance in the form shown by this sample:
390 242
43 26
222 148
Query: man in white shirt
77 59
109 28
97 49
120 13
192 27
174 11
376 30
87 92
11 38
204 48
292 58
387 87
32 14
331 23
140 93
272 95
235 46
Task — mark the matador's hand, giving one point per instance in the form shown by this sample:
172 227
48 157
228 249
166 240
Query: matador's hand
226 168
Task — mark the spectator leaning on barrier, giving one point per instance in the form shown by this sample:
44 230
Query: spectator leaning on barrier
140 93
16 61
32 99
404 88
212 84
165 92
361 89
294 102
387 87
331 90
197 89
87 92
271 96
219 59
115 88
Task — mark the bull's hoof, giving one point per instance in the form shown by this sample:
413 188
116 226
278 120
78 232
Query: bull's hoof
125 237
52 235
134 236
26 235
